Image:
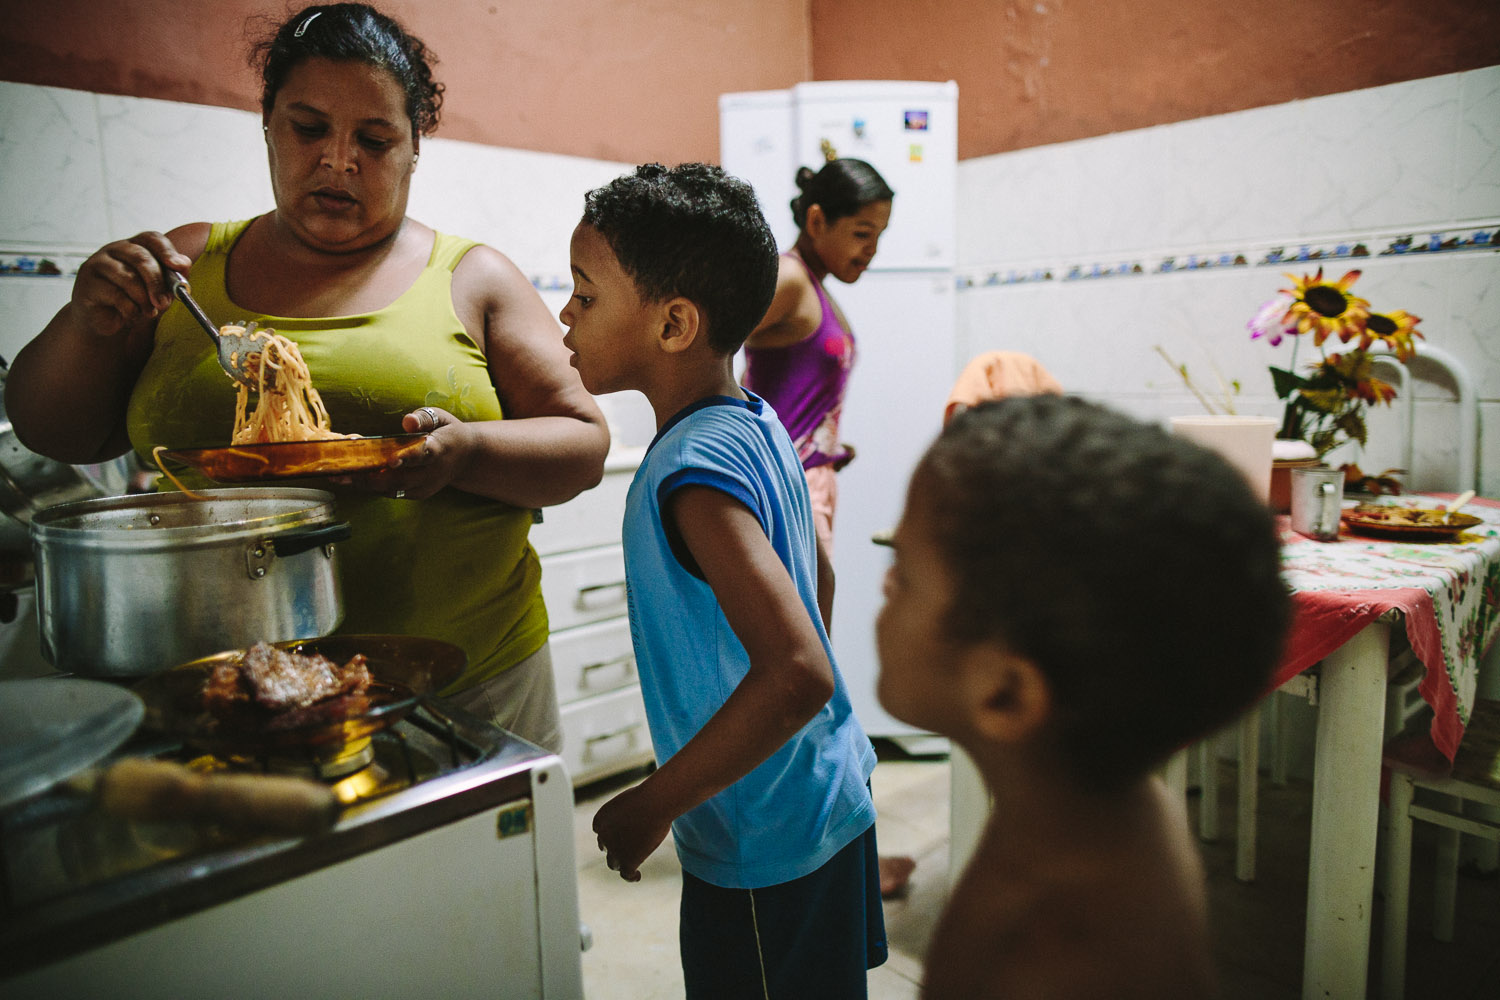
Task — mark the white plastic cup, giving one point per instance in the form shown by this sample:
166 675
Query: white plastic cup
1246 442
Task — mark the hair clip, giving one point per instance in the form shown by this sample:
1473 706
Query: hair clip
303 26
829 153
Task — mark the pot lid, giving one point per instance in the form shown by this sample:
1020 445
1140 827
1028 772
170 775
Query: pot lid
53 727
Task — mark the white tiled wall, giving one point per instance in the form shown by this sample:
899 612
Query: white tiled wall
79 169
1367 167
1370 167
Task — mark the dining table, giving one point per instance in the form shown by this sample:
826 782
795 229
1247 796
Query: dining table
1349 594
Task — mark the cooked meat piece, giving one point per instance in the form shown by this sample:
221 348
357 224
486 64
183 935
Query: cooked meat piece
357 676
279 680
330 710
222 690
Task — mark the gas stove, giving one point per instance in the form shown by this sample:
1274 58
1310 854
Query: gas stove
450 869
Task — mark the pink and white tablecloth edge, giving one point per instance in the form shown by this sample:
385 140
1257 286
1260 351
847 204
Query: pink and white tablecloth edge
1324 620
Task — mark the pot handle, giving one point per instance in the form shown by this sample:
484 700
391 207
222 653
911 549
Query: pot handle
293 542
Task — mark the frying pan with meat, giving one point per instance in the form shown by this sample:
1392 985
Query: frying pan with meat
404 669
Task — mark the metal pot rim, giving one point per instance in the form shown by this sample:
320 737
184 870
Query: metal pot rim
58 525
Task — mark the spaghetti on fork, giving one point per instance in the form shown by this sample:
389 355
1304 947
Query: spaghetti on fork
287 407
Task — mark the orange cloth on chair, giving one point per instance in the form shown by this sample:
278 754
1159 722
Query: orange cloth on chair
997 374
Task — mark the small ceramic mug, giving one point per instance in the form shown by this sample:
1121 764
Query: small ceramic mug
1317 502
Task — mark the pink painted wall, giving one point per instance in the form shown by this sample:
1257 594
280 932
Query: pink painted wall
639 81
1032 72
617 81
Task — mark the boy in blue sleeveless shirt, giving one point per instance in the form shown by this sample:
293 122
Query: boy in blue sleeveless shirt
763 770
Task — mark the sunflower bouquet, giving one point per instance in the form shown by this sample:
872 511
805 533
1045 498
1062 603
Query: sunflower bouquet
1325 404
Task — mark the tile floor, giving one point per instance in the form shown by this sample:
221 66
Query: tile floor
1258 927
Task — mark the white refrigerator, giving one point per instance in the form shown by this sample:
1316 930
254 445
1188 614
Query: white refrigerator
901 310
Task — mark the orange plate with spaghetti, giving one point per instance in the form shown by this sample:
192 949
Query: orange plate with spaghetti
248 463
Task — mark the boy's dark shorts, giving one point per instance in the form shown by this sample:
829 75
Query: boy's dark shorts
812 937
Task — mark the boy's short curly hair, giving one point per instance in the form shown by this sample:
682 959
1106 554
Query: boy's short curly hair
1135 568
691 230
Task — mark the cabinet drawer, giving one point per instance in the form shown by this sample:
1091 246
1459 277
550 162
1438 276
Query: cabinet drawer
589 519
581 587
605 734
592 659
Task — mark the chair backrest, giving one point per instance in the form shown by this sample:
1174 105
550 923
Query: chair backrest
996 375
1468 409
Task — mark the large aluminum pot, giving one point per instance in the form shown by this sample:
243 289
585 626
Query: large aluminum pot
128 586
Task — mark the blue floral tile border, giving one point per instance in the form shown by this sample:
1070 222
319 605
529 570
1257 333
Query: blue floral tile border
552 282
40 264
65 263
1481 238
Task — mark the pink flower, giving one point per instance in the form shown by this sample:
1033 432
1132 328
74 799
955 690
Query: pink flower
1270 321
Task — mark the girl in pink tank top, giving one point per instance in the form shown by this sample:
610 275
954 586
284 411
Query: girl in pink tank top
799 358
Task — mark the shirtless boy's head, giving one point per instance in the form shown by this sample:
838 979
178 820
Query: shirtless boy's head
1131 576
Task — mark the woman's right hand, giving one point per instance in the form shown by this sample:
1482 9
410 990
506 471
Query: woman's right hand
124 284
69 387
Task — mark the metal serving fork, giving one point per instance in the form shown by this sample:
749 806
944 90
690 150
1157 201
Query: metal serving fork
235 349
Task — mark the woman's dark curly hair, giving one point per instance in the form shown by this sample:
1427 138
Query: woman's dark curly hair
352 32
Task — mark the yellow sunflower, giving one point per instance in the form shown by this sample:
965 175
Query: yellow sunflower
1326 307
1396 328
1358 368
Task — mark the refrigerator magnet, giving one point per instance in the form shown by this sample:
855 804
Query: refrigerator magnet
914 153
916 121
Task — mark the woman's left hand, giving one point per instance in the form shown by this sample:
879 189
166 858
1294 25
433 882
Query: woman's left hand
421 474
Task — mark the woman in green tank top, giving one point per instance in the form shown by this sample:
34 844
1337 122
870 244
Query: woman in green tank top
403 329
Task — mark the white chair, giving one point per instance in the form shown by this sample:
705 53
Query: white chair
1403 704
1474 777
1468 408
1247 782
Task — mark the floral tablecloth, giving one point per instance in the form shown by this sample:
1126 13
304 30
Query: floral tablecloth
1447 593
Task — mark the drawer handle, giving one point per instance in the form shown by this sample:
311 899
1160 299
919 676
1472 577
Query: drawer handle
625 661
600 595
592 742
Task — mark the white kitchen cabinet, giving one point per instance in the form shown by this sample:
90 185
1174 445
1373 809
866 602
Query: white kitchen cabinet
606 734
584 586
593 662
